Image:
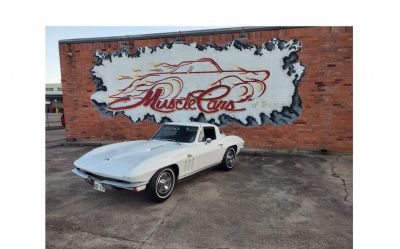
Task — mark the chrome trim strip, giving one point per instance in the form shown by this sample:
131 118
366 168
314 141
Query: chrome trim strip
80 173
129 186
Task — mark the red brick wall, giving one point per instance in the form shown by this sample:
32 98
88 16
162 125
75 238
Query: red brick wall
326 91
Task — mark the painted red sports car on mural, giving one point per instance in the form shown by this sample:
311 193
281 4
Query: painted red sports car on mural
186 80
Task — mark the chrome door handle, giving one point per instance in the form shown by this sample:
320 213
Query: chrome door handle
189 155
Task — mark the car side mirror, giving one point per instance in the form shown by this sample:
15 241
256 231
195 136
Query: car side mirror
208 140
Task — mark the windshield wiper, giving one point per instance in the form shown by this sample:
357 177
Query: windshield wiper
171 140
167 139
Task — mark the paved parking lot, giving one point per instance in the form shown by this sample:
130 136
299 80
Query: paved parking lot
55 135
273 201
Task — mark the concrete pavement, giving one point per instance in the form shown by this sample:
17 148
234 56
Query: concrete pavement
273 201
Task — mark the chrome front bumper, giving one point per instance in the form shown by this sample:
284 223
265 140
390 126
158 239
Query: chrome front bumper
136 186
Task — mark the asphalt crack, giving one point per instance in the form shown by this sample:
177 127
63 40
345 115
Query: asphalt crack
141 242
340 178
92 233
162 221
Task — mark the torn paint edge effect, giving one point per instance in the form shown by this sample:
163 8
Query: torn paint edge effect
286 116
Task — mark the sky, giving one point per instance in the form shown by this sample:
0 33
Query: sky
54 34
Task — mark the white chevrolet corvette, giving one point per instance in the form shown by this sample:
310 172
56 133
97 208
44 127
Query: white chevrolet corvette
176 151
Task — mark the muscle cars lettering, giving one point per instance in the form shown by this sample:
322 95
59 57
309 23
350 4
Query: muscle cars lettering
184 82
193 100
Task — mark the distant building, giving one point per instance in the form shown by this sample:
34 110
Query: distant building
54 98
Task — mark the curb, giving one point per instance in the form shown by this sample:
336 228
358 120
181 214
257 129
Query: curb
52 128
55 143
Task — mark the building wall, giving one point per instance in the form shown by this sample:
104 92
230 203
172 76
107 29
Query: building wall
326 91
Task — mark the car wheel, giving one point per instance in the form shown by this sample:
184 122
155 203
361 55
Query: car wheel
162 184
229 159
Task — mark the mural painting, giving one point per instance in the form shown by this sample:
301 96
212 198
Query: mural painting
241 83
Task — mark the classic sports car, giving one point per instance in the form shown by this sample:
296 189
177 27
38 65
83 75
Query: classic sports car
176 151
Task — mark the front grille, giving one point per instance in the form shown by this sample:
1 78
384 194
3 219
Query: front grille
104 178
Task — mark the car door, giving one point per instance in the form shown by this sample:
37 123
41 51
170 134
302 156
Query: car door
208 153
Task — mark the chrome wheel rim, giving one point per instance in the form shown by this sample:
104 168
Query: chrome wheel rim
230 158
165 182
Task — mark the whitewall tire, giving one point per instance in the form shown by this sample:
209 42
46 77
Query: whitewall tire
229 160
162 184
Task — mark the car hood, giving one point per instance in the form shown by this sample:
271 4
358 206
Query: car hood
117 160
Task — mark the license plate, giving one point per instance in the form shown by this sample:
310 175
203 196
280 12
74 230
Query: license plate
98 186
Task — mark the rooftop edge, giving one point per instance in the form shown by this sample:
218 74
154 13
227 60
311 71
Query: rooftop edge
175 34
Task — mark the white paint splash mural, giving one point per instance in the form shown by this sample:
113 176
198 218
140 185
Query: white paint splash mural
246 84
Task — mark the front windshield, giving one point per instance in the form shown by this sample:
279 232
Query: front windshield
177 133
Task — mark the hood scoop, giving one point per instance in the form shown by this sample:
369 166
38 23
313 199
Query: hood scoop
136 151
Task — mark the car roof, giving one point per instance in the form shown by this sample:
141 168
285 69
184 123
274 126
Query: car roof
195 124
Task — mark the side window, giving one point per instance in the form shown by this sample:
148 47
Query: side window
209 132
201 136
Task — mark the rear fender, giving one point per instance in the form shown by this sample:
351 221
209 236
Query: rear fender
228 141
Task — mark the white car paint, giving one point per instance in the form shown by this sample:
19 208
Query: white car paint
135 162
